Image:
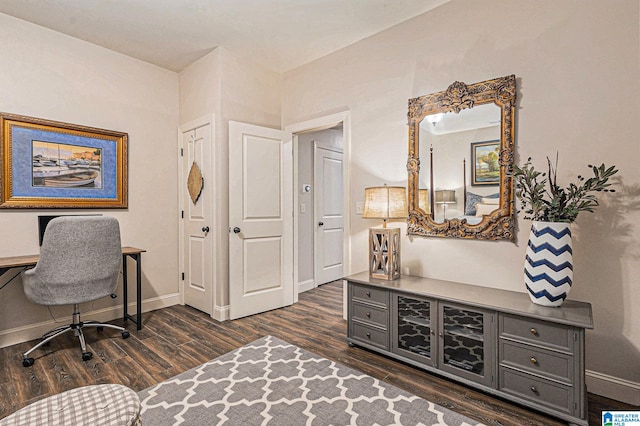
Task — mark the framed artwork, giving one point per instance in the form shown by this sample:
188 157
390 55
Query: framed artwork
485 164
49 164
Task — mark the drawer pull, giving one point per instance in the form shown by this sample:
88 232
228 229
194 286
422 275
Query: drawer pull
368 294
368 335
534 331
534 390
368 314
534 360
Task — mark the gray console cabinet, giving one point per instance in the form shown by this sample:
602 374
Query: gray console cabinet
494 340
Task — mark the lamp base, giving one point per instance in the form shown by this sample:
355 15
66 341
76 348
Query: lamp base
384 253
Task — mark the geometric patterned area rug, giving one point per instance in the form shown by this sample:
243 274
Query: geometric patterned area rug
272 382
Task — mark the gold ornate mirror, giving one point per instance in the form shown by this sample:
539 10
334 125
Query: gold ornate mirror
461 153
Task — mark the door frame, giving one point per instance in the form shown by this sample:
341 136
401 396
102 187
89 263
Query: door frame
198 122
321 123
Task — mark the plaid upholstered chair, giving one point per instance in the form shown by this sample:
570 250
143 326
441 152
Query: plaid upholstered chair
95 405
79 262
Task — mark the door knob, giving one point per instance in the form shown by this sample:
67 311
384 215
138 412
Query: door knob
320 223
205 229
236 230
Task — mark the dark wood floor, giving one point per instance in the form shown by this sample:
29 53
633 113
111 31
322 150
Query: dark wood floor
178 338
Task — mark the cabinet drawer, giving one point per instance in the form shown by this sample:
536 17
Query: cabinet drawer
554 365
536 390
370 294
555 336
371 335
371 314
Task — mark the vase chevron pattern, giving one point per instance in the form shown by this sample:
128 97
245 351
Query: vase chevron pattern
548 266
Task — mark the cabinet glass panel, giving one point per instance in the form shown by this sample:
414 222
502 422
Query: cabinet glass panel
414 325
463 339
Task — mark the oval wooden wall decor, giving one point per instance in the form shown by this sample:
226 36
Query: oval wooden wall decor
195 182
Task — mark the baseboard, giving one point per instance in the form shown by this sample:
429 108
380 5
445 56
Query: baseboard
613 387
306 285
597 383
221 313
35 331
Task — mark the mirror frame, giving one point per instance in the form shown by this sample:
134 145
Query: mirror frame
499 225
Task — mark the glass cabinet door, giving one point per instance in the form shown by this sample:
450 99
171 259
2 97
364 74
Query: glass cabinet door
414 328
464 338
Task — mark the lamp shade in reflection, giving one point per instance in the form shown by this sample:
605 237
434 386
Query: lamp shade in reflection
445 196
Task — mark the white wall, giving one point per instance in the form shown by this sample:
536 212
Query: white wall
577 65
49 75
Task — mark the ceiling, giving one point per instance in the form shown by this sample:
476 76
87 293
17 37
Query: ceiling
478 117
279 34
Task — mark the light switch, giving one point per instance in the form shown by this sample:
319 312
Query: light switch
359 207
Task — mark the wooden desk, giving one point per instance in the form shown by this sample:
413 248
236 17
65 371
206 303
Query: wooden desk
7 263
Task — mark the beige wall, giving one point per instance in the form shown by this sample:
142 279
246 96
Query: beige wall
577 67
49 75
327 138
232 90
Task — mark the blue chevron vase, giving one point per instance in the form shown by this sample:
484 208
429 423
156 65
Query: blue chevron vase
548 266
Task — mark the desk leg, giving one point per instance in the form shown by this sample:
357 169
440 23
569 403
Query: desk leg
139 290
138 318
125 288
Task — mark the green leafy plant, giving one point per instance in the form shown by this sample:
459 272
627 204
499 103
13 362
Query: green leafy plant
543 200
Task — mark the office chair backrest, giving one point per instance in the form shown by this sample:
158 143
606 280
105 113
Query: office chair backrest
80 261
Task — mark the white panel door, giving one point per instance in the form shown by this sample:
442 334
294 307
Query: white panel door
198 219
329 217
260 219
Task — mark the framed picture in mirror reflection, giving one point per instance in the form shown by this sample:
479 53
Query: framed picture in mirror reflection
485 164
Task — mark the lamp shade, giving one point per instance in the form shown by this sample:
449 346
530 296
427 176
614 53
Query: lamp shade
445 196
385 202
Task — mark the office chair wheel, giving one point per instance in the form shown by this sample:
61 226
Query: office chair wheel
125 334
86 356
27 362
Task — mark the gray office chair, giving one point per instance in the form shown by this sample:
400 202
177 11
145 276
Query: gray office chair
79 262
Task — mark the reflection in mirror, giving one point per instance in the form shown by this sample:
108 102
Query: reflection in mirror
445 158
460 152
423 201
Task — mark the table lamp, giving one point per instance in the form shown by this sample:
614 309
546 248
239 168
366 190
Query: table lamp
384 202
444 197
